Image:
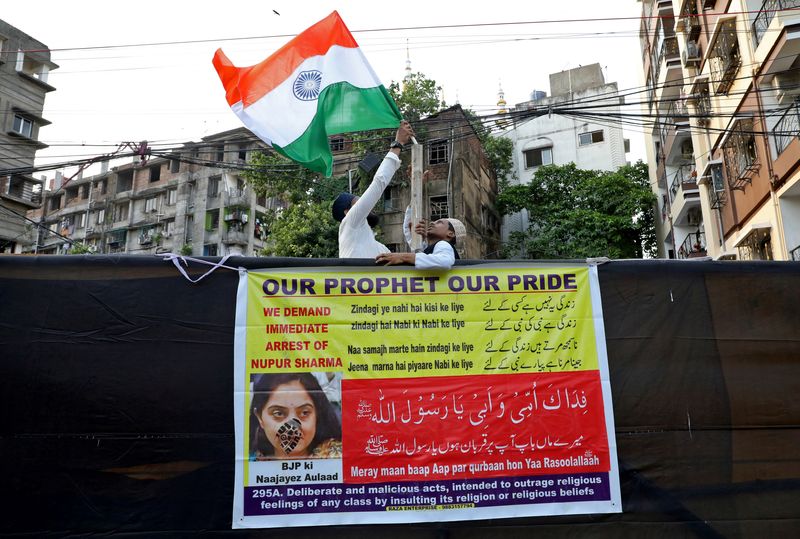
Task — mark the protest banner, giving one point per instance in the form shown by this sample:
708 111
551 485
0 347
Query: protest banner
396 395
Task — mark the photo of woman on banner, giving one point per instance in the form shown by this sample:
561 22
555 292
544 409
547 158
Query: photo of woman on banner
292 418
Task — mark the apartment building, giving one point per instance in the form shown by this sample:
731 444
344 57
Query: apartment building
461 185
192 201
24 68
557 139
722 79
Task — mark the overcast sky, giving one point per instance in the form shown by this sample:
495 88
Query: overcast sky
171 93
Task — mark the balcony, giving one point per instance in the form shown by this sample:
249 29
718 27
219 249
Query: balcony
689 20
787 128
724 58
235 236
676 134
684 181
22 189
693 246
740 154
769 9
237 197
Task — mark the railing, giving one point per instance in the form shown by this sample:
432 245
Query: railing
669 49
693 245
683 179
725 59
787 128
765 15
702 105
740 154
794 254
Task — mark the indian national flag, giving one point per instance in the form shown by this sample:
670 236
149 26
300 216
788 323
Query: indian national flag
318 84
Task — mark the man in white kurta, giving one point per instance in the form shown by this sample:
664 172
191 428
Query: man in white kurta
356 237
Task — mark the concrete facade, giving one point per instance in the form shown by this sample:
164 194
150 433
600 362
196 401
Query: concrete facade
555 139
24 68
722 82
194 203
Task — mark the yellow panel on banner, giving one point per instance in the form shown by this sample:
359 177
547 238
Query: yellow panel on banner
470 321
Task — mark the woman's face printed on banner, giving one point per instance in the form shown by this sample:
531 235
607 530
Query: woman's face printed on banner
289 420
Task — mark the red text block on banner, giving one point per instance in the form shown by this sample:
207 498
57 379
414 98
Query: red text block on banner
455 427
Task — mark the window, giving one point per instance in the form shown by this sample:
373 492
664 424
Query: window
172 197
188 228
242 153
593 137
72 192
210 249
437 152
85 191
439 207
125 181
55 203
337 144
120 212
101 217
155 173
538 157
81 220
103 187
150 204
169 228
740 154
174 165
220 151
212 220
213 186
387 200
23 126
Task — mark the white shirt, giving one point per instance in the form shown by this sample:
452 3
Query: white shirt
442 257
356 238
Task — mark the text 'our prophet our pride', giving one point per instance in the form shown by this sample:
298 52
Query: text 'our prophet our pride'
306 286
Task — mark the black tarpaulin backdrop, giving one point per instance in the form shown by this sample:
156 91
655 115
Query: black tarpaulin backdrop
116 408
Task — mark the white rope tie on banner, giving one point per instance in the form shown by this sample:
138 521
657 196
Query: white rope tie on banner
177 259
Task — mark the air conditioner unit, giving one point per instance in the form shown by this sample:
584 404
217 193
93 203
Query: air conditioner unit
787 87
691 55
89 229
112 241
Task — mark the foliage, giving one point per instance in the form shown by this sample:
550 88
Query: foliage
186 249
304 230
417 97
577 213
275 176
80 248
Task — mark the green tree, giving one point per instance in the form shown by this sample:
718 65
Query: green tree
80 248
417 97
576 213
305 228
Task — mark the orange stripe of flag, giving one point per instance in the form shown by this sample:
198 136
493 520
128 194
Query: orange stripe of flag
249 84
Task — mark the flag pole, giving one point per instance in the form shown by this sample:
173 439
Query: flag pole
416 192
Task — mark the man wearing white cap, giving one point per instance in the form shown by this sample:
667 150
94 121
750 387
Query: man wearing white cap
445 238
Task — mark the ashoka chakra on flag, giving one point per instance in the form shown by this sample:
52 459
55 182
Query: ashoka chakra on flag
307 85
